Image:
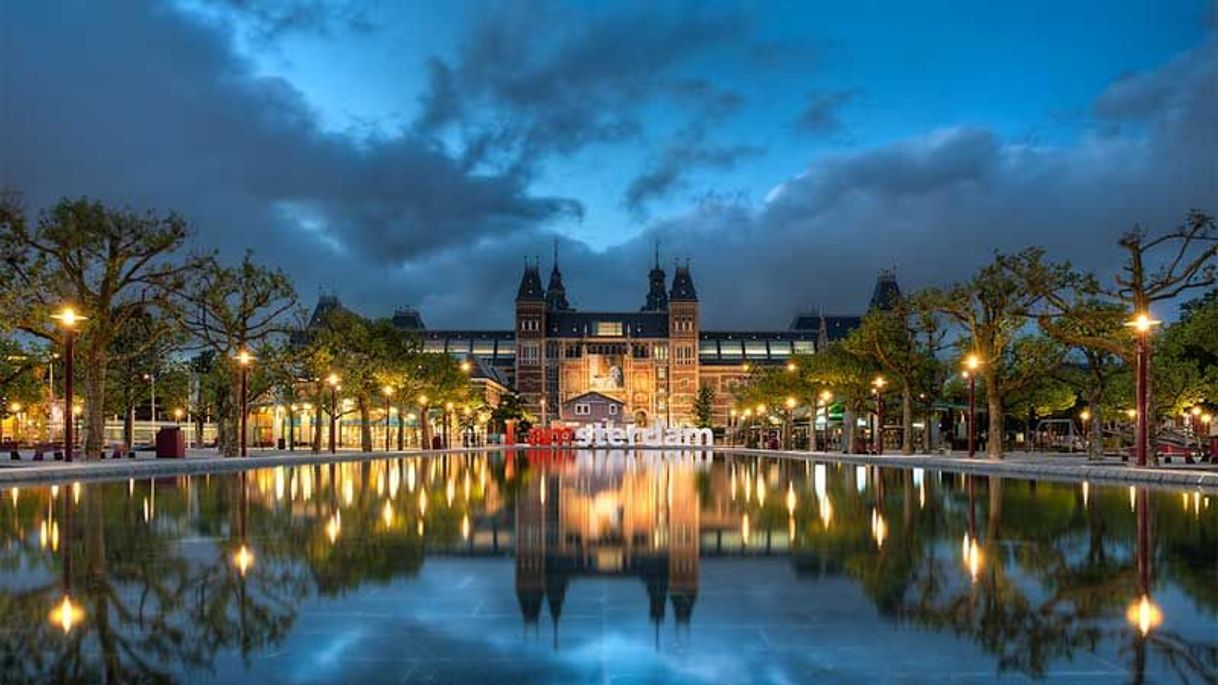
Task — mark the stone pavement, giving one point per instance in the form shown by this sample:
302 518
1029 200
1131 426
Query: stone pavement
1043 466
1053 466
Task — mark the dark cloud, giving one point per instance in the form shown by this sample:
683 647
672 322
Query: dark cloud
822 113
268 20
161 112
689 152
534 79
142 105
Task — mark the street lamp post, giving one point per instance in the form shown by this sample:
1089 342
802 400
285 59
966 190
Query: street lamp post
332 381
423 416
68 318
387 391
1142 325
244 358
971 364
824 398
878 387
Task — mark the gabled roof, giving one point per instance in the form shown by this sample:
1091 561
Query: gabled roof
594 395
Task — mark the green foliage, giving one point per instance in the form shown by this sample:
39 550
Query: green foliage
704 407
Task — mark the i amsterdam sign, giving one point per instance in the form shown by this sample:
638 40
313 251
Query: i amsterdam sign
609 434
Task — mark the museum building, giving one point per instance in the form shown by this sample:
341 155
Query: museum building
579 366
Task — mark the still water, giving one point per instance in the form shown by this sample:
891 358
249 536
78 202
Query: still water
598 567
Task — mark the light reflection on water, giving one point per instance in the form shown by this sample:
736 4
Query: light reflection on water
577 565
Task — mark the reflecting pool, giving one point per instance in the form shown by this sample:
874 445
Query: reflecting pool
556 567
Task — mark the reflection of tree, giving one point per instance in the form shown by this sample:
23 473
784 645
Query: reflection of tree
150 613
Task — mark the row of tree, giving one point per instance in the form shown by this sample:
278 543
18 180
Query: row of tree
158 313
1048 337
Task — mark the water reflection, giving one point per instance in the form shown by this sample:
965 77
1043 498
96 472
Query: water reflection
210 578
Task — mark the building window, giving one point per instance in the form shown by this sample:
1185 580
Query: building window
661 351
662 372
640 351
804 347
582 409
611 329
613 410
530 325
685 354
530 354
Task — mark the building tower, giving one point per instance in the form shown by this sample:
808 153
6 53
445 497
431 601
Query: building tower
683 327
556 293
530 340
886 292
657 296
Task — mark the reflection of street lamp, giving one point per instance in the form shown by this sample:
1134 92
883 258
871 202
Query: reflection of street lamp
387 391
1142 326
1144 615
971 555
66 614
332 381
68 318
877 386
243 559
244 359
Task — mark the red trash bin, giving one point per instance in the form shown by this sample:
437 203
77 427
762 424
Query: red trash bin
170 443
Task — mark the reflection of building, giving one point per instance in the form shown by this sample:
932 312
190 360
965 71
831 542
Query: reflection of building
638 523
652 360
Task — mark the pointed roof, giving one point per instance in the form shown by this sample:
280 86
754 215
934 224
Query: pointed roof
556 293
886 292
683 286
657 296
530 285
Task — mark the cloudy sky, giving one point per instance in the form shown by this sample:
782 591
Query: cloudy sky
415 153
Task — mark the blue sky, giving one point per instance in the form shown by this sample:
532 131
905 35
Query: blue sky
799 146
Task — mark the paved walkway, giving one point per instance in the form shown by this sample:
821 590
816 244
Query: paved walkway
1040 465
1044 466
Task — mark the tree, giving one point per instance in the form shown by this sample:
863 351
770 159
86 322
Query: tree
139 352
704 407
228 309
111 265
903 342
993 308
20 385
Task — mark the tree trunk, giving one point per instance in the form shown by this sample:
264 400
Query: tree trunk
401 428
424 430
317 429
129 427
1096 449
907 420
365 421
848 425
993 444
229 425
95 360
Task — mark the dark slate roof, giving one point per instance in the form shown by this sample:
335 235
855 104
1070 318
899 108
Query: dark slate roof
886 292
683 286
325 305
530 285
837 327
572 324
408 319
556 292
482 368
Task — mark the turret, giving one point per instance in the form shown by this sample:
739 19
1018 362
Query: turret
683 286
657 296
556 293
887 292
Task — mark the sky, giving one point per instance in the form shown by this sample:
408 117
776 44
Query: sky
415 154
